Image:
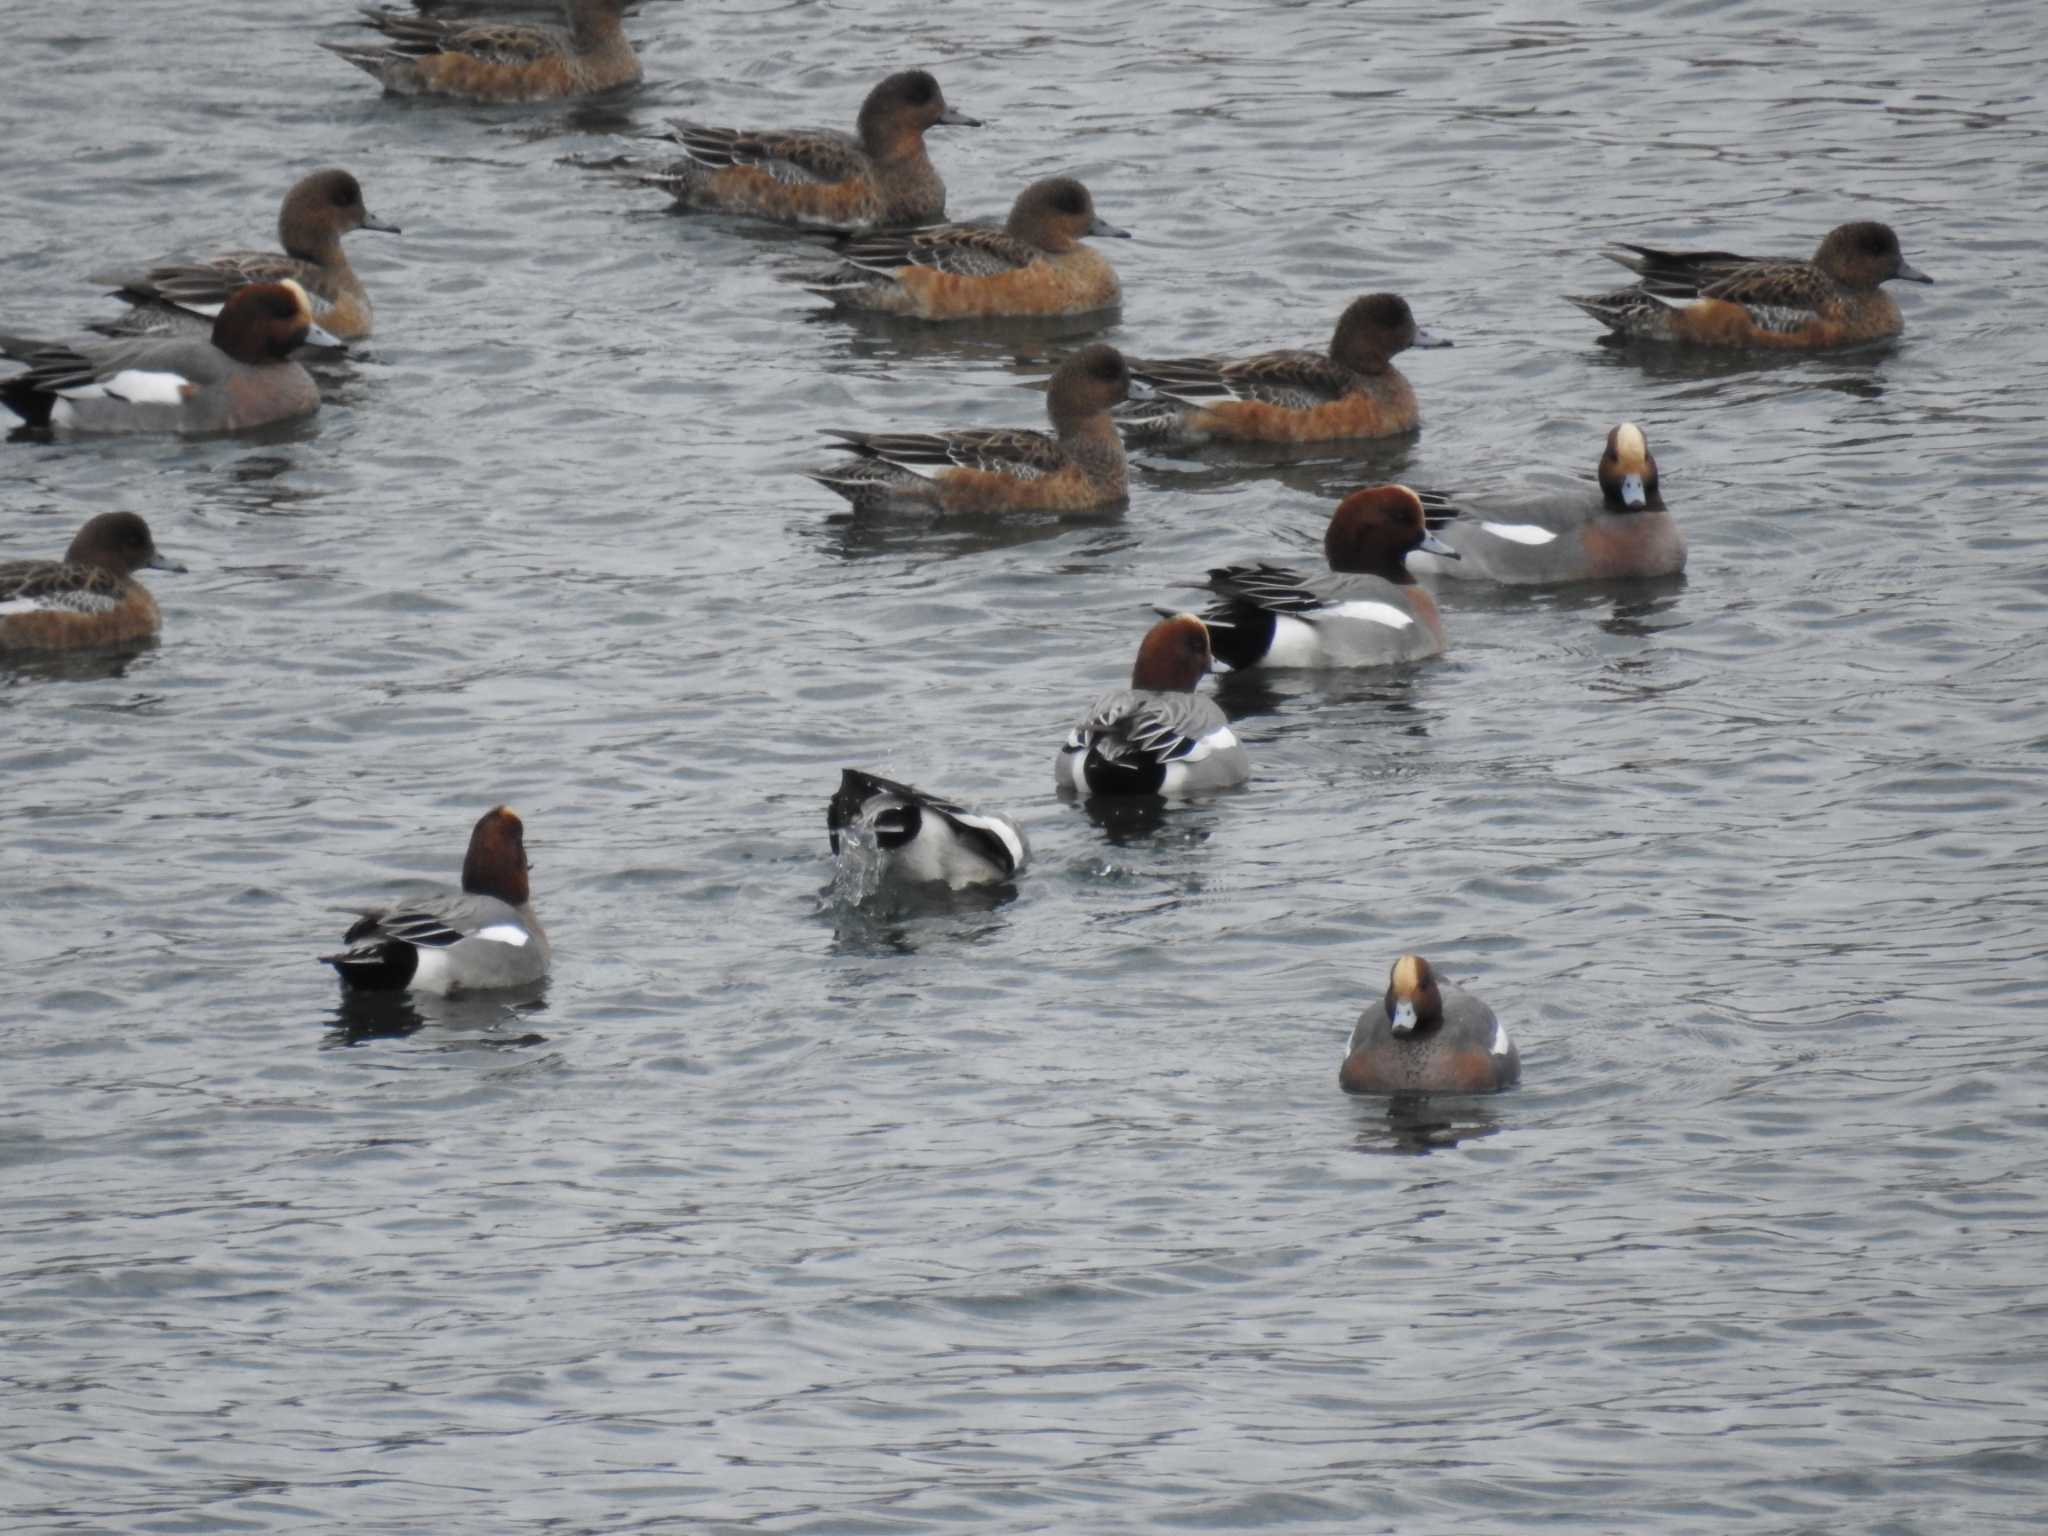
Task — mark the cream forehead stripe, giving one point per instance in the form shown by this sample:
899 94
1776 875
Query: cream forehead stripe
1407 973
1628 442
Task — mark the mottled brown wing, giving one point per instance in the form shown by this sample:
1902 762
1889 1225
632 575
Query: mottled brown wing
960 250
1296 380
31 586
1005 450
818 155
501 42
206 285
1774 285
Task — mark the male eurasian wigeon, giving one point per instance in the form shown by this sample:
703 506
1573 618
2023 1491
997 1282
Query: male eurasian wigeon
1002 469
499 60
1365 610
1616 531
484 935
1741 301
920 837
818 177
318 211
1353 390
1427 1035
1034 265
90 597
242 376
1158 736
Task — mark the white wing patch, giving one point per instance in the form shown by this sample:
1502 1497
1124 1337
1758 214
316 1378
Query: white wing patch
138 386
1370 612
1520 533
1501 1044
505 933
1004 833
1222 739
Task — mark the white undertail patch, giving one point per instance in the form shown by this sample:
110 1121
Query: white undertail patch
1520 533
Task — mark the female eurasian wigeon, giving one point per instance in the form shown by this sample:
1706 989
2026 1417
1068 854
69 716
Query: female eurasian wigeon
90 597
1620 530
920 837
999 469
318 211
484 935
1741 301
499 60
242 377
1365 610
1158 736
1290 397
1034 265
1427 1035
818 177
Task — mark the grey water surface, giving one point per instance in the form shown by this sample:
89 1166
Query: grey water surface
1041 1212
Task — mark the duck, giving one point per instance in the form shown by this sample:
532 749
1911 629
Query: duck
1158 736
1428 1035
1034 265
984 470
1352 391
1618 529
879 176
498 61
239 377
320 208
921 838
1832 300
484 935
1367 609
90 597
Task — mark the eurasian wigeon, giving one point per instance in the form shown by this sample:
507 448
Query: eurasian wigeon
317 212
1034 265
919 837
90 597
999 469
242 376
1354 390
484 935
1158 736
1741 301
1366 610
1617 530
1427 1035
499 60
818 177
